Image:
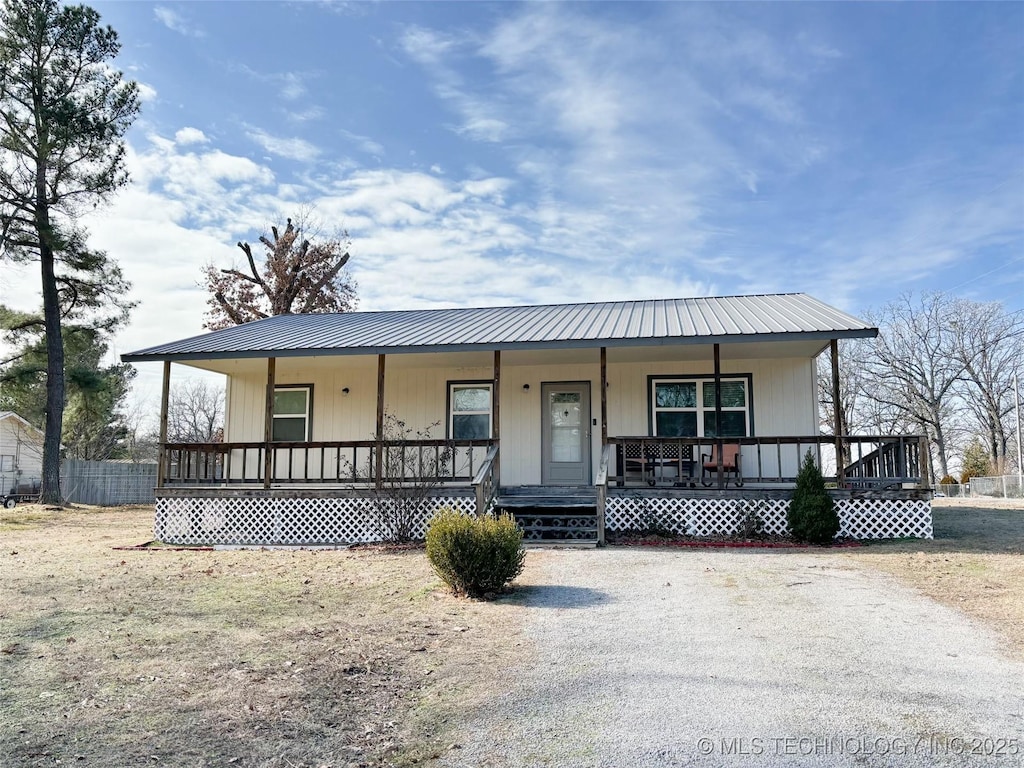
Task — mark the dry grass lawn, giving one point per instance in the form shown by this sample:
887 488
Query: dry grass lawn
975 562
197 658
293 658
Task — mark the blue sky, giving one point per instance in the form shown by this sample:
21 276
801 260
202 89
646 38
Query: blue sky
486 154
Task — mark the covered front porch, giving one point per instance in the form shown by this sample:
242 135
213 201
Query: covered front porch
612 412
323 493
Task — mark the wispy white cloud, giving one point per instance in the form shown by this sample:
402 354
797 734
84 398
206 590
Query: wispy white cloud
291 148
630 136
291 86
363 143
304 115
431 49
176 22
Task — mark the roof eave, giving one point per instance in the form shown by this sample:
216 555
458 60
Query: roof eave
851 333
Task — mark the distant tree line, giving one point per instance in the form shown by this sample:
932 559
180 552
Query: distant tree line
942 367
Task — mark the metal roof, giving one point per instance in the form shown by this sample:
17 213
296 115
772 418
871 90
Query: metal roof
723 319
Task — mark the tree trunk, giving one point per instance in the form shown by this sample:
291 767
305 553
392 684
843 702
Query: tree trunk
939 438
50 490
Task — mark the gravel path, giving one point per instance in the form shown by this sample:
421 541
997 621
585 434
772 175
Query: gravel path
711 658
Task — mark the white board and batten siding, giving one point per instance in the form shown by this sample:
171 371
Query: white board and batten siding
784 398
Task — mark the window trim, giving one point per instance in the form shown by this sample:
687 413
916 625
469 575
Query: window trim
7 466
479 383
308 389
702 378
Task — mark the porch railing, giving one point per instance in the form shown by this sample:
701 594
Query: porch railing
348 462
601 484
868 461
487 479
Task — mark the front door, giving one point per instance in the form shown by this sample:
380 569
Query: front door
565 434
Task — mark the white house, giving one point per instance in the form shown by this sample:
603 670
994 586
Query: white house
581 416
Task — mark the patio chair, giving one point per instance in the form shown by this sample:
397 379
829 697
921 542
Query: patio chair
730 464
649 460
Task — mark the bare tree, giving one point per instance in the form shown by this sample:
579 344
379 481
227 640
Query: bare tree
297 276
852 388
989 343
195 413
913 366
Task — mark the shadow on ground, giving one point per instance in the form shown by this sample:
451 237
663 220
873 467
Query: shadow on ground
556 596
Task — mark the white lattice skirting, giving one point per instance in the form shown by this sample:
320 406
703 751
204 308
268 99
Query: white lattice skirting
262 520
859 518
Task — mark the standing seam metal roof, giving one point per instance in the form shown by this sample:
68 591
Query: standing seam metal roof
621 323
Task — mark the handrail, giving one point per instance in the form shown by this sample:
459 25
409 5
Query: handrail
601 482
485 482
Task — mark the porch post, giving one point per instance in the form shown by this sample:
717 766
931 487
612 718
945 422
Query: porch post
268 424
496 397
923 460
837 412
165 395
718 415
379 448
604 397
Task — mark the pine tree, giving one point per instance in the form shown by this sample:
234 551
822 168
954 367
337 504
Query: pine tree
812 514
64 111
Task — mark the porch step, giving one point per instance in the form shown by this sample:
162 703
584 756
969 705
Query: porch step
547 497
553 514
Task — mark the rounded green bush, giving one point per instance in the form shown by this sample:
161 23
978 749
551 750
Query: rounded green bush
475 555
812 513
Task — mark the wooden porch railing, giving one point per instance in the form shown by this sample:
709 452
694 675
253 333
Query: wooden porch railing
868 461
601 483
348 462
487 479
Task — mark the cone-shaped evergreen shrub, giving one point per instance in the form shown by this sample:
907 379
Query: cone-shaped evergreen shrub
812 513
475 555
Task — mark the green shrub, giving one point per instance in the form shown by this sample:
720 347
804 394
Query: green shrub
812 514
948 480
475 555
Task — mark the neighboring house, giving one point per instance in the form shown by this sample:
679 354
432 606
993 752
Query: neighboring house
580 416
21 455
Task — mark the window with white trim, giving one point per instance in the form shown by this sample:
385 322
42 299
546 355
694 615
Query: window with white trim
292 407
686 407
469 410
7 462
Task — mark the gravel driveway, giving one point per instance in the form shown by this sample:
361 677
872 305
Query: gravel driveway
751 658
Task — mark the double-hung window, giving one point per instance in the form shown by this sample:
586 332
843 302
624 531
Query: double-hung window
686 407
292 409
469 410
